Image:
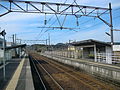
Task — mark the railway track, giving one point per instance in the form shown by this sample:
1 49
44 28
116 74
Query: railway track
67 78
83 77
37 75
48 82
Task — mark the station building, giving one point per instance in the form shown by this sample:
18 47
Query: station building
92 50
10 50
89 49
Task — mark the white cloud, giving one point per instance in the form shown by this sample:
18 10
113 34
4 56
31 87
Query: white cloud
97 34
18 17
116 5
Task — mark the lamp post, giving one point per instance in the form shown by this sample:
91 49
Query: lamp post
3 33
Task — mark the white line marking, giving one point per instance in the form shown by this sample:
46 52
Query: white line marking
13 82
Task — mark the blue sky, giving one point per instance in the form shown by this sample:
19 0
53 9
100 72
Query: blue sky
25 25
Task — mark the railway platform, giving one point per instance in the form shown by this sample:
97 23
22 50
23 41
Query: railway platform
59 76
106 72
18 75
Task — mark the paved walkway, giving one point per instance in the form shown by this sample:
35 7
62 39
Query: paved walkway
18 75
11 66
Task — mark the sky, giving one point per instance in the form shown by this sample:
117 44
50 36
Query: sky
25 26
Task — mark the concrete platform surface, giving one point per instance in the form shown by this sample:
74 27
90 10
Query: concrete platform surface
11 66
25 81
18 75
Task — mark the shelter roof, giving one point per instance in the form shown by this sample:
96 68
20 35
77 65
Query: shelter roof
90 42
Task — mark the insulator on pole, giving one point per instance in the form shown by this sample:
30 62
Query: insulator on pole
77 22
45 21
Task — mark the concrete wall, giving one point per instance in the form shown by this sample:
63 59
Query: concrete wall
1 56
103 70
1 53
7 53
85 53
116 48
108 55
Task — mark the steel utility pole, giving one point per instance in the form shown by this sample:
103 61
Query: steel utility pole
111 25
4 53
13 39
3 33
46 44
49 38
14 43
19 42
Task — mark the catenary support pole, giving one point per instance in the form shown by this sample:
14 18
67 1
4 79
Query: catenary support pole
4 58
111 26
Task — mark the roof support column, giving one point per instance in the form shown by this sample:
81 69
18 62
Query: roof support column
95 53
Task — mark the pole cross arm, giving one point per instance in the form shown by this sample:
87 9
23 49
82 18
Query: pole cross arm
4 13
104 21
116 29
51 8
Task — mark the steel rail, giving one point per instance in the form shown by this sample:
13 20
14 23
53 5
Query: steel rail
97 83
50 75
39 75
79 74
93 88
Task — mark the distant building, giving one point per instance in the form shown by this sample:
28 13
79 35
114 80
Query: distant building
116 47
88 49
1 42
8 44
7 52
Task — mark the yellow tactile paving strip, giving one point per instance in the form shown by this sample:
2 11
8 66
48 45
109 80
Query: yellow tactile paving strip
13 82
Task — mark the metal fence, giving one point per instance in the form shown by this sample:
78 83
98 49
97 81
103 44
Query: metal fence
103 57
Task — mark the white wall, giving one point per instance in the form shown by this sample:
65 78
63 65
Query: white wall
1 53
116 47
8 55
108 55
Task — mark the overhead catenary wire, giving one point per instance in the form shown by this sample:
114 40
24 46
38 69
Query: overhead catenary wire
87 21
50 25
82 23
91 20
98 24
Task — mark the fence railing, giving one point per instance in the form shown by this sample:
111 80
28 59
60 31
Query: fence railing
101 57
104 57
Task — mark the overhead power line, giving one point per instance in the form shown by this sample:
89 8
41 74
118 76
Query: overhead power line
49 21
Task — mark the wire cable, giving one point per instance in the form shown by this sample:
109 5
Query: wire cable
49 21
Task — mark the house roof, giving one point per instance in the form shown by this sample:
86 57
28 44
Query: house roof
116 43
16 46
90 42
